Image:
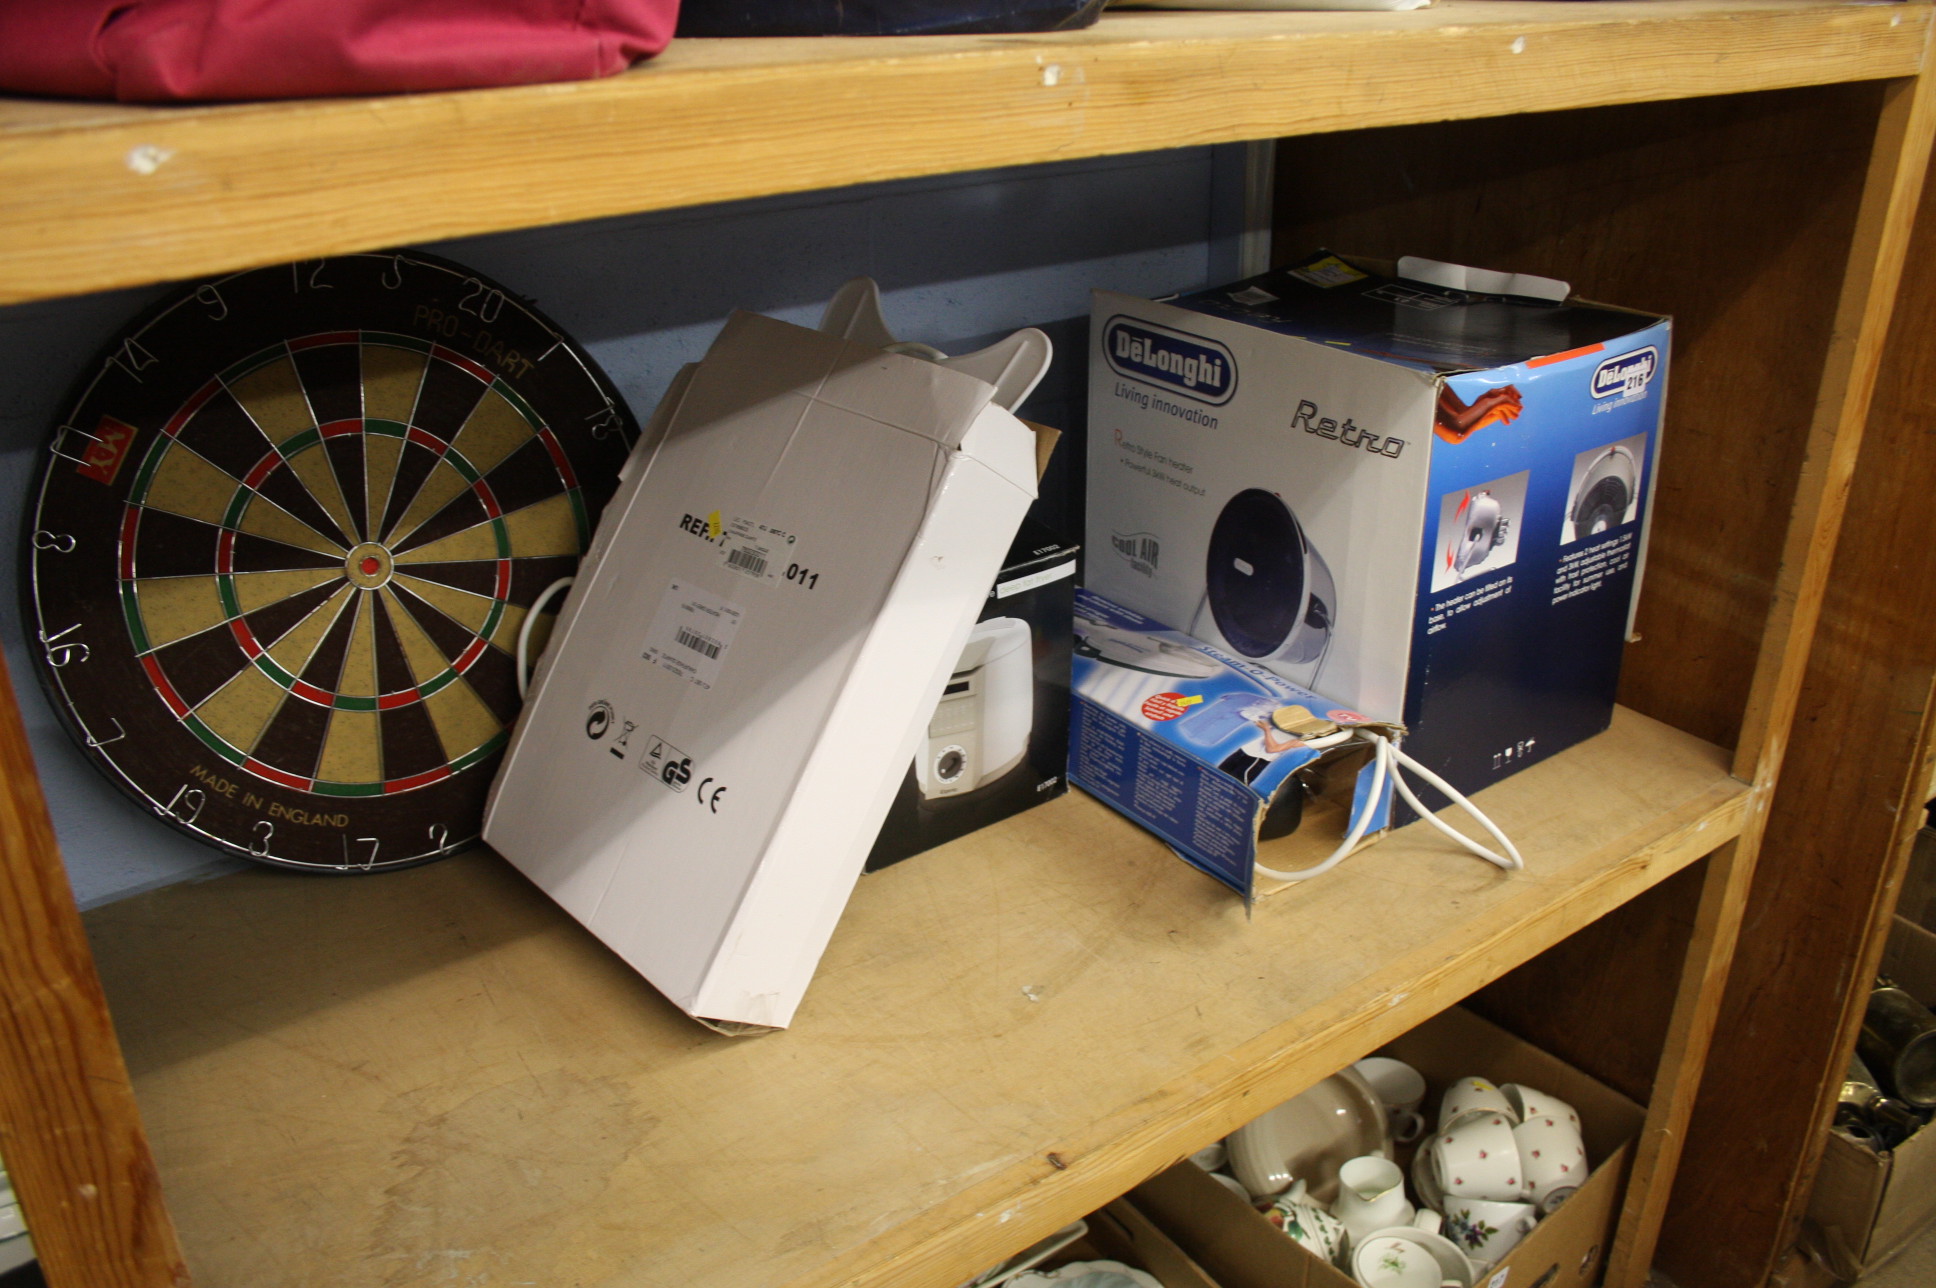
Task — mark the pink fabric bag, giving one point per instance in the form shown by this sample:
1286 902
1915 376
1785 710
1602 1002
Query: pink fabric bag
152 51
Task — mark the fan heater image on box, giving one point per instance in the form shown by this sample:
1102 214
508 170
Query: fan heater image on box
980 728
1266 587
1605 491
1484 531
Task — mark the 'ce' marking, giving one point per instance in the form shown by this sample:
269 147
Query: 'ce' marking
709 796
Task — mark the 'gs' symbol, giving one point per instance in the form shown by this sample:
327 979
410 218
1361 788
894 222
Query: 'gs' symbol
709 795
677 773
598 720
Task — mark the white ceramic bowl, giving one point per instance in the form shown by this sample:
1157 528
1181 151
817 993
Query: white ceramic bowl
1310 1137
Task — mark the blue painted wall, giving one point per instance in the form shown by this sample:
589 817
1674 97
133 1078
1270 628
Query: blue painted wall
961 261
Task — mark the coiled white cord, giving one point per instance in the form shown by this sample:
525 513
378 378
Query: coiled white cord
1386 759
524 629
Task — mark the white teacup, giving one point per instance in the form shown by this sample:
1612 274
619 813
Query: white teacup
1410 1257
1371 1195
1530 1103
1401 1089
1478 1158
1468 1096
1553 1157
1487 1231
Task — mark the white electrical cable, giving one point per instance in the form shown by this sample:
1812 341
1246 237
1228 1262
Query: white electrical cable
524 630
1513 863
1386 760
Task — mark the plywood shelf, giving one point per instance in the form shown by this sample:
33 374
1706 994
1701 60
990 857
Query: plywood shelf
341 1079
97 196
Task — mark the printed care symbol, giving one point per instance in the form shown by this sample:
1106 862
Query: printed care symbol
667 763
624 735
598 720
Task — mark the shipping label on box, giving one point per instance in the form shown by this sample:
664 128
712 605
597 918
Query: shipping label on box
1427 502
1213 752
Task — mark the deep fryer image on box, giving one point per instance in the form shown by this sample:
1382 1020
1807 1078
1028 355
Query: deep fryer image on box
997 740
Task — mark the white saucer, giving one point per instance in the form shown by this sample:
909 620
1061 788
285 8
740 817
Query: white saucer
1403 1257
1309 1138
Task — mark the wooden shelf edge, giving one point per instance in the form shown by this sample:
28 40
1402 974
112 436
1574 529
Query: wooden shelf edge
1071 1178
97 197
919 1006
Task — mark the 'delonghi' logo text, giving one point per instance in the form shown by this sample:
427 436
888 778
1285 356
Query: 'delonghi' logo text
1192 365
1627 375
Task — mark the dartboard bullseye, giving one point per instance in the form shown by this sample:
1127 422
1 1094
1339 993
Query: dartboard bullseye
286 537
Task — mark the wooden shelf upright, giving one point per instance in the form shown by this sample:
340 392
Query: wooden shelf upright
442 1079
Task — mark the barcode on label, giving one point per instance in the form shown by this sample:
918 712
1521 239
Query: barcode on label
698 643
747 561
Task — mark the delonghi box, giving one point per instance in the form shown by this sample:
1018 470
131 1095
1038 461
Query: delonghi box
791 566
1427 500
997 738
1213 752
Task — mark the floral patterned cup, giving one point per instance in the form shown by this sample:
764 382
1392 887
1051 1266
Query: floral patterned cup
1487 1231
1553 1157
1530 1103
1468 1096
1306 1221
1478 1158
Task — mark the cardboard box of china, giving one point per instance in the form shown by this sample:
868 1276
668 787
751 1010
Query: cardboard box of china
1868 1206
1425 496
1118 1232
1240 1249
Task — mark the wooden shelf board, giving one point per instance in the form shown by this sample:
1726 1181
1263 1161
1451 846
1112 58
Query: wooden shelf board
437 1071
94 196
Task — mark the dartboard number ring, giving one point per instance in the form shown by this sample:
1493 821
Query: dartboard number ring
284 540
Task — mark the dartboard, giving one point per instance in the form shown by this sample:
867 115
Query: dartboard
286 537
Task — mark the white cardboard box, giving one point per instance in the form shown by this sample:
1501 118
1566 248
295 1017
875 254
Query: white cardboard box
739 677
